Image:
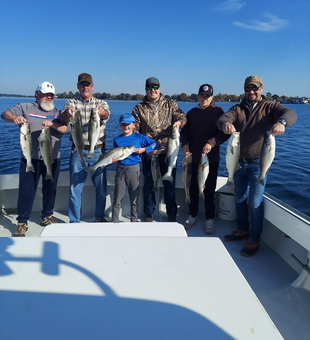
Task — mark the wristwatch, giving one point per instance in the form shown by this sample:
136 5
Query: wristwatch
283 121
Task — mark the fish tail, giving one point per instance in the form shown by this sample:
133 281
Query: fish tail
230 182
91 154
167 177
49 176
30 168
260 180
201 194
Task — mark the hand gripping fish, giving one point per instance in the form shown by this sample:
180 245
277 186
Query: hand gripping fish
187 175
172 153
266 156
47 151
26 145
93 132
232 156
203 172
119 153
77 134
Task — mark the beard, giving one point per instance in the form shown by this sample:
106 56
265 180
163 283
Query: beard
47 106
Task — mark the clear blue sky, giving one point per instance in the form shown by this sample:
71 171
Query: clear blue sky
183 43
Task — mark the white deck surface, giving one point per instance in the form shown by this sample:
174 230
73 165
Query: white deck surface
126 288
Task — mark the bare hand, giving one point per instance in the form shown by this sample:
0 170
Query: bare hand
277 129
228 128
47 123
207 148
114 160
103 113
185 149
19 120
140 150
177 125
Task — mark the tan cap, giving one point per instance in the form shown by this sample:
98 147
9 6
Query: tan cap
255 80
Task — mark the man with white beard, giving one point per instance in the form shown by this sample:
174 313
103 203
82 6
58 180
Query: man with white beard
38 114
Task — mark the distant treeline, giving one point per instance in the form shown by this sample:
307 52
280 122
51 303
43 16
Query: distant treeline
183 97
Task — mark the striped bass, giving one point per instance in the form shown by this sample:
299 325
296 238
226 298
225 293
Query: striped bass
172 153
26 145
202 173
77 134
155 169
232 156
93 132
267 155
187 175
47 151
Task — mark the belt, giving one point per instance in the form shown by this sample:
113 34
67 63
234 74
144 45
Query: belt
87 147
249 159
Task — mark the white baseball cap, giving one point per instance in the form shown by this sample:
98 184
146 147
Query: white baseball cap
46 87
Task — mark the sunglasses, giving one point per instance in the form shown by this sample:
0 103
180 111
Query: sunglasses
155 87
249 89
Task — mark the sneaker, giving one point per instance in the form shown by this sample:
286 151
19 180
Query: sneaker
101 220
21 229
237 235
47 221
209 226
250 249
190 222
148 219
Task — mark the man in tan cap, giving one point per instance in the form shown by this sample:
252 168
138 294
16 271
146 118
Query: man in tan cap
253 117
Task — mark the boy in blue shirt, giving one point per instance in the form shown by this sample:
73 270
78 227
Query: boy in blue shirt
128 169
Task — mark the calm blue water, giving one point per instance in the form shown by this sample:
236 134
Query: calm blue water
288 178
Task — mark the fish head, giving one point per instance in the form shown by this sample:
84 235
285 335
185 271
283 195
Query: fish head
25 128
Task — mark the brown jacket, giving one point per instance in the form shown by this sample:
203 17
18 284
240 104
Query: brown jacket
155 120
253 125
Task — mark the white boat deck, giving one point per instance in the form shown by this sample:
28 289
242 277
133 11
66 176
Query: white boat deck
268 274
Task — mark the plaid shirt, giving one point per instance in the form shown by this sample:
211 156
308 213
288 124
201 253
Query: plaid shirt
85 108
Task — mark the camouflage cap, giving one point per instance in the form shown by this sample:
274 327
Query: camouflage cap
85 77
255 80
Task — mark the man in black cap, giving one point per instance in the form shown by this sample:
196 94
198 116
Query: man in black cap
85 104
253 117
155 117
201 135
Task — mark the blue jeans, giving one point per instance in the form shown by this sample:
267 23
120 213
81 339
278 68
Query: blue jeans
28 184
246 187
77 179
149 194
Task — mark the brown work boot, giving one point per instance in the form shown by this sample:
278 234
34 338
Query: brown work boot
47 221
250 249
21 229
237 235
148 219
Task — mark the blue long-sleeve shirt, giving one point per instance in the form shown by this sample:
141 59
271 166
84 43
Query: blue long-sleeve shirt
138 141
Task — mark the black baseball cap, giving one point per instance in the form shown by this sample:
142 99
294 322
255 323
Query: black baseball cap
151 81
206 88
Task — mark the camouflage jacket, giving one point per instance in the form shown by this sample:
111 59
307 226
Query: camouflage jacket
155 120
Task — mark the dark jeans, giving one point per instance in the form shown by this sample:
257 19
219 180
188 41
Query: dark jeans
28 184
209 191
149 194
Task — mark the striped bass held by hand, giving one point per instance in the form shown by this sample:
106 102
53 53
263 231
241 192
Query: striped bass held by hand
267 155
155 166
77 134
187 175
93 132
118 153
232 156
47 151
26 145
172 153
203 172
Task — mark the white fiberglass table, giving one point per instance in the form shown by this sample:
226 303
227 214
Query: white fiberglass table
126 288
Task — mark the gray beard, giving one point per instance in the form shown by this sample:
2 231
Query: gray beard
47 107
